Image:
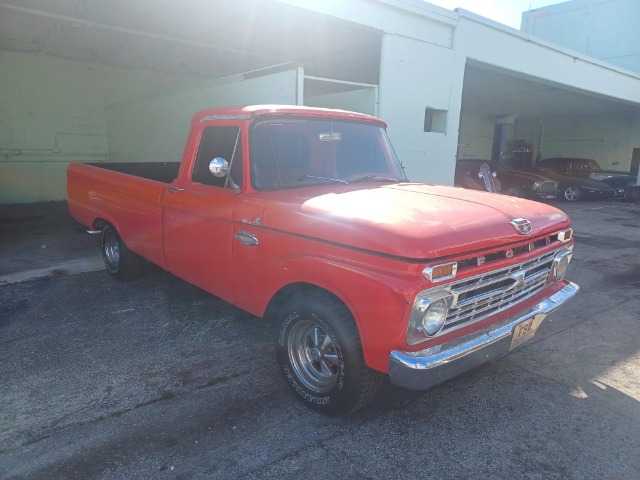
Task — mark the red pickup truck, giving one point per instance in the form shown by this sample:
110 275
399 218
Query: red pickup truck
304 216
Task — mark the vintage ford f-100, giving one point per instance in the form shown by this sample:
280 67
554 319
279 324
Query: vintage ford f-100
304 216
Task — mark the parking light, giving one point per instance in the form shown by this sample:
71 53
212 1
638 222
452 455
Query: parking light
565 235
441 272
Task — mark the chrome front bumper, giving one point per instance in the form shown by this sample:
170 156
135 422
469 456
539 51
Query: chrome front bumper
427 368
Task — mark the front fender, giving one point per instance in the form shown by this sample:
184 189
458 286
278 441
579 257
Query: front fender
378 291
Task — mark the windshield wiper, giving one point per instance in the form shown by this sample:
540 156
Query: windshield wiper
316 177
376 177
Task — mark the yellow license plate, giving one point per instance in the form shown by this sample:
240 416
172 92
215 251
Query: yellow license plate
525 331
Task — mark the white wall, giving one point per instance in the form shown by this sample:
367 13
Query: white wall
606 30
155 128
476 137
363 100
415 75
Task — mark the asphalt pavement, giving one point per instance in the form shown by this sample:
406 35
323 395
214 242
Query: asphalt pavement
157 379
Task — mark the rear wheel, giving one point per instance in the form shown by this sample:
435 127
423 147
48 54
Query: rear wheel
571 194
121 262
319 351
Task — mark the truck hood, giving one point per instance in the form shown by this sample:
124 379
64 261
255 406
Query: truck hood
410 221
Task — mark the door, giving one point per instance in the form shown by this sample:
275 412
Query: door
197 214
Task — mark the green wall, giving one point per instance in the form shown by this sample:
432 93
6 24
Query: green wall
609 139
52 112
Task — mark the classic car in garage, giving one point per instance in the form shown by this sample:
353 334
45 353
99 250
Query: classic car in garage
521 183
470 173
576 188
624 187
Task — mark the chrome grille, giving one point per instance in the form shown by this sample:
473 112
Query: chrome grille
549 185
478 297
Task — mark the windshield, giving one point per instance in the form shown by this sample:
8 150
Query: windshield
290 153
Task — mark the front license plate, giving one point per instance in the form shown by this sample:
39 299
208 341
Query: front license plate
524 331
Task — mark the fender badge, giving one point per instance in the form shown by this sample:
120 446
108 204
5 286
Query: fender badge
522 226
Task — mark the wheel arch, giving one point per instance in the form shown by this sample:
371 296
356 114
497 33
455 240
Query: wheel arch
378 304
288 291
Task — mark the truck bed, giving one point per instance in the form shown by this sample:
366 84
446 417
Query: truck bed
165 172
126 195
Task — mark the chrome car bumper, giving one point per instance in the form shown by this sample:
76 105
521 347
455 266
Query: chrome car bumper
427 368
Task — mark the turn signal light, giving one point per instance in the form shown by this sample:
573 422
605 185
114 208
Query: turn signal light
565 235
445 271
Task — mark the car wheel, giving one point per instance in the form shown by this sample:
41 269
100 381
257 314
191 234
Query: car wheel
121 262
571 194
628 194
319 352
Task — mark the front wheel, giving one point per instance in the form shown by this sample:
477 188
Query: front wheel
571 194
121 262
319 352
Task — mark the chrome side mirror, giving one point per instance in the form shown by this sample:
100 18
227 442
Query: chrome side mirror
219 167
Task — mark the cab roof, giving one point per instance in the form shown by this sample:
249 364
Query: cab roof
251 112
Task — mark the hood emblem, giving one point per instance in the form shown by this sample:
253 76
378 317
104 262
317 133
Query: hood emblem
522 226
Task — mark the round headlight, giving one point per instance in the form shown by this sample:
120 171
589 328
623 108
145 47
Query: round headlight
560 265
434 317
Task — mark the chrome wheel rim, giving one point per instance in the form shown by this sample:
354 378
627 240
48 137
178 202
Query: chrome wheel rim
111 248
313 356
571 193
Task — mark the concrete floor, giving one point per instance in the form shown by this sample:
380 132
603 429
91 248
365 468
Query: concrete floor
41 240
157 379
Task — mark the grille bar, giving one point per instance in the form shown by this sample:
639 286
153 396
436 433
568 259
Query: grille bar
479 297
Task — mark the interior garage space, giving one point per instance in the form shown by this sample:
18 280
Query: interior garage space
517 118
96 80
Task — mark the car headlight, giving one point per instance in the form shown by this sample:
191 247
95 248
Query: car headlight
537 185
560 264
428 315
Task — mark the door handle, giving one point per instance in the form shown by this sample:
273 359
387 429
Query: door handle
176 189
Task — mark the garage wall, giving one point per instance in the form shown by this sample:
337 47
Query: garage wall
476 137
415 76
52 112
364 101
609 139
155 128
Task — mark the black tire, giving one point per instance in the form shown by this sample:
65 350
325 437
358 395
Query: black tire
571 194
319 352
121 262
628 194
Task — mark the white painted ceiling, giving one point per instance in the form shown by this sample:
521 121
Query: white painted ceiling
207 38
491 92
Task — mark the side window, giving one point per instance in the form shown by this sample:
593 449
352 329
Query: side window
218 142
